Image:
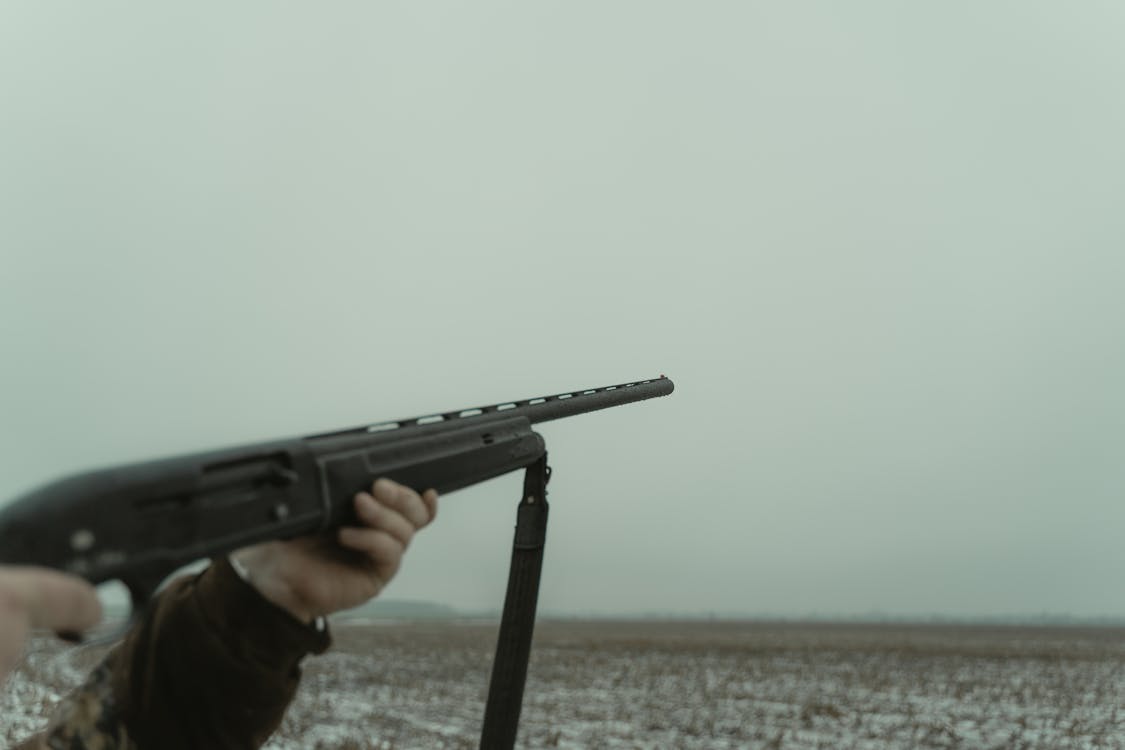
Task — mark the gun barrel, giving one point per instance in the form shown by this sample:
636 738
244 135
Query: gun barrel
536 410
546 408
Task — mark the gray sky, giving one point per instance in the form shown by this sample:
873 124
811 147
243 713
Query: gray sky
878 246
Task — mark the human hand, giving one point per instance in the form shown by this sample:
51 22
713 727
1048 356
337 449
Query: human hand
318 575
40 598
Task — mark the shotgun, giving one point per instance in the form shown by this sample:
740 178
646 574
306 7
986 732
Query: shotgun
140 522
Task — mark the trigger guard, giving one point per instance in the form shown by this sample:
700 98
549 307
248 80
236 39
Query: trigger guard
142 586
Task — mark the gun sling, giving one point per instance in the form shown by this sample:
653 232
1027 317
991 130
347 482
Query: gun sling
517 623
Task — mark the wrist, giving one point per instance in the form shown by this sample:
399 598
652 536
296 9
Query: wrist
257 566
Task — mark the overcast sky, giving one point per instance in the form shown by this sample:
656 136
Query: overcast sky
878 246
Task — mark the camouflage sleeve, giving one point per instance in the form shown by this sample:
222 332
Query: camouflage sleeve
88 719
213 664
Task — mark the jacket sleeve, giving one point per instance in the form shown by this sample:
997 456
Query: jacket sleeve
213 664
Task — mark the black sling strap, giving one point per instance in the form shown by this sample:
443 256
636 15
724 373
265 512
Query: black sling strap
513 646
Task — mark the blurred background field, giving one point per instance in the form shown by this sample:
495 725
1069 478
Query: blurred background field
681 684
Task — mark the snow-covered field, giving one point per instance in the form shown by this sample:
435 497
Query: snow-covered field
686 685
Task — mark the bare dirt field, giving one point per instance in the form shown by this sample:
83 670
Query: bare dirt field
685 685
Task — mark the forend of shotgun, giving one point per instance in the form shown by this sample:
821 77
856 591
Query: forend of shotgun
139 522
